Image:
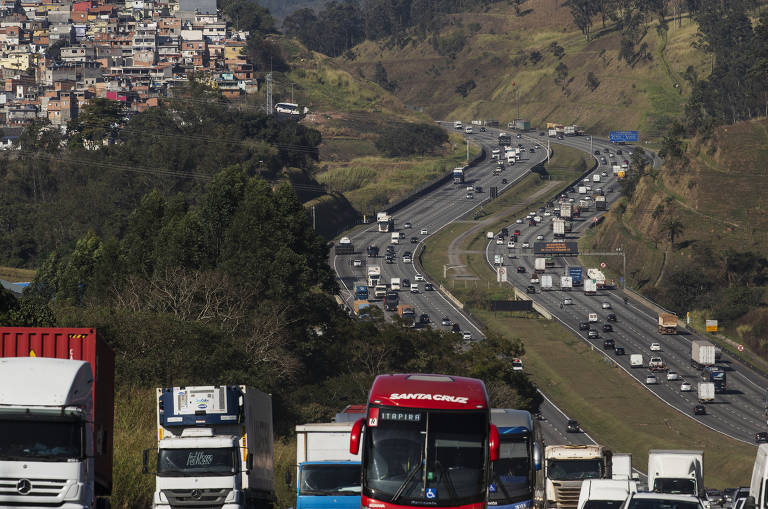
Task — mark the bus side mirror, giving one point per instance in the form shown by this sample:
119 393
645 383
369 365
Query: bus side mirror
536 456
493 443
354 436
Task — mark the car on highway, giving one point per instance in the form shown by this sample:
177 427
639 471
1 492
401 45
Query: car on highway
597 152
499 241
699 410
526 244
592 334
547 213
610 189
539 237
414 288
672 375
519 221
618 151
466 335
655 347
511 244
611 317
532 150
619 350
418 277
583 325
542 133
604 174
728 495
606 305
503 181
424 231
651 380
530 289
469 196
567 301
428 287
761 437
483 129
520 269
389 258
455 328
424 318
407 258
607 327
357 262
686 386
445 321
405 283
609 344
573 426
414 240
517 365
406 224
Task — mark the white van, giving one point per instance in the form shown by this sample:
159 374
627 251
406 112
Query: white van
395 238
636 360
394 284
602 493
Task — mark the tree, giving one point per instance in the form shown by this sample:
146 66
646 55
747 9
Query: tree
582 12
557 50
561 73
592 81
673 227
96 123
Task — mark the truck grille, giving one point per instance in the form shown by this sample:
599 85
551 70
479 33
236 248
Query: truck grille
15 486
568 496
196 498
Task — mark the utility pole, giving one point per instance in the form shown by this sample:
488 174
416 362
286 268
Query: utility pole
467 149
292 102
314 218
269 93
547 149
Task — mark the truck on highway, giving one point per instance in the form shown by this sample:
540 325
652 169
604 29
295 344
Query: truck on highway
599 202
215 441
385 221
394 238
667 323
361 307
495 153
361 292
458 175
567 466
391 300
546 282
706 392
605 493
616 168
407 313
565 210
595 177
505 139
570 130
622 466
373 251
702 354
584 205
379 291
592 317
540 265
590 287
576 274
582 189
717 376
558 228
327 474
566 283
394 284
552 133
374 275
344 248
636 360
675 471
57 402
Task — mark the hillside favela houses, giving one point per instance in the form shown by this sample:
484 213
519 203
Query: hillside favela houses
56 55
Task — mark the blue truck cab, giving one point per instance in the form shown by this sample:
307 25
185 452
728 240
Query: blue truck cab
361 292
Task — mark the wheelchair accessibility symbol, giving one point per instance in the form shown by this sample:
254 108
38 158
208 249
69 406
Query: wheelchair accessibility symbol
431 493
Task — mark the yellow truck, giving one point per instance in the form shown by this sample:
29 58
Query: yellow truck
667 323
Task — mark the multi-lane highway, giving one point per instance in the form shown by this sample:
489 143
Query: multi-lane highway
738 413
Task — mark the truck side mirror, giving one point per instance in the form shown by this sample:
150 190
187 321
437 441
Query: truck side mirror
145 462
249 462
537 456
288 477
354 436
493 443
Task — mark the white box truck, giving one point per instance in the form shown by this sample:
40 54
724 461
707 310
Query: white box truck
622 466
636 360
540 265
582 189
214 447
394 284
590 287
546 282
702 354
558 228
706 392
678 472
327 474
566 283
595 177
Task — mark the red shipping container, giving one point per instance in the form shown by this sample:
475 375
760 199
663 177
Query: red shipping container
82 345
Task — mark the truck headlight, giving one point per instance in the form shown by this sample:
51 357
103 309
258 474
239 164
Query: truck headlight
73 493
233 497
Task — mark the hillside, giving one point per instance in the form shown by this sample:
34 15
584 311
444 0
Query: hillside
478 64
714 265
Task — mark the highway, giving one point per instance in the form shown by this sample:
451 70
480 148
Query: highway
738 413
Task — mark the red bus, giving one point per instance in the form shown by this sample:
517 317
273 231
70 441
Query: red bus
427 441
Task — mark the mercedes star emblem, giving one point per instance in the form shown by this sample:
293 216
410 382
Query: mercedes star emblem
24 486
196 494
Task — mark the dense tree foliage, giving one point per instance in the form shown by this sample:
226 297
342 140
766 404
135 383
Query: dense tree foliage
402 139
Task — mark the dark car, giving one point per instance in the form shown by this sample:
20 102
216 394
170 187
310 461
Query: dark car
406 283
761 436
607 327
520 269
483 129
390 249
424 318
414 240
618 151
455 328
699 410
611 317
445 321
597 152
583 326
592 334
503 181
390 258
505 231
573 426
530 289
608 344
542 133
428 287
619 350
531 150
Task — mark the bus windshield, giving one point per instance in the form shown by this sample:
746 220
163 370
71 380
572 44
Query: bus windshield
574 470
413 457
511 473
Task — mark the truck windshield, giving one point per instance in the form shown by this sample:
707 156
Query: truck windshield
41 440
181 462
603 504
675 486
331 479
417 457
574 470
511 477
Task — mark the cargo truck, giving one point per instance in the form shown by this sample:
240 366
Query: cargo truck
361 292
702 354
214 448
616 169
596 177
656 364
706 392
385 221
717 376
567 466
565 210
636 360
407 313
622 466
599 202
570 130
598 276
394 284
678 472
546 282
379 291
590 287
57 401
374 275
505 139
540 265
551 133
458 175
667 323
327 474
566 283
391 300
576 274
558 228
582 189
584 205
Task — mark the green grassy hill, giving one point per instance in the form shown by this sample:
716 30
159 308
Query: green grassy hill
504 56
